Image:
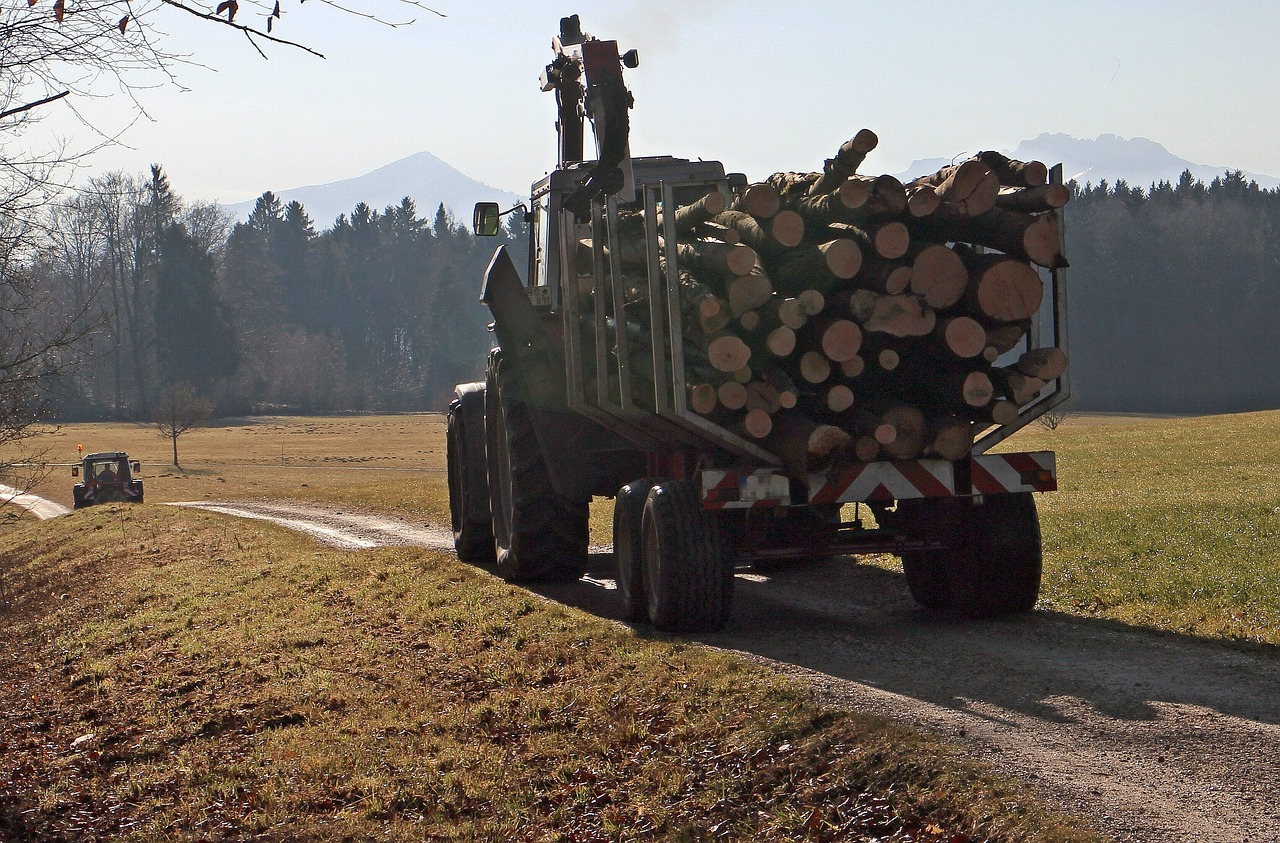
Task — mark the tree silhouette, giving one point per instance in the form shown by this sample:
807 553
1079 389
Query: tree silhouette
178 410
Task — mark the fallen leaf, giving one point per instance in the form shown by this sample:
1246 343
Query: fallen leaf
123 21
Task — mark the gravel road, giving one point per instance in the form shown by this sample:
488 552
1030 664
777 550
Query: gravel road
1151 737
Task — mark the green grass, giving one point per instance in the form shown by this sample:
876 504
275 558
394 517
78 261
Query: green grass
234 681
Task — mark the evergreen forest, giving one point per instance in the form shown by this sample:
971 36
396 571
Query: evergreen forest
1172 292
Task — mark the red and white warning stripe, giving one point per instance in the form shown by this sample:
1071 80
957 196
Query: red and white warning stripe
885 482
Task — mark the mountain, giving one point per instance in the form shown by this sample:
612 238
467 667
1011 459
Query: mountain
1139 161
422 177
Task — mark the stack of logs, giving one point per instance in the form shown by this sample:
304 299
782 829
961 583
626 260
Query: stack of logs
837 317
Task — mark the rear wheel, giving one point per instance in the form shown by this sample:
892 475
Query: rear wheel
537 533
628 514
468 509
994 563
688 576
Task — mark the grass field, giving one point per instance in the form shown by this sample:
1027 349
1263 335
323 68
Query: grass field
1172 524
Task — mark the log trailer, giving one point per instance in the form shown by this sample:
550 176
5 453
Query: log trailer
588 393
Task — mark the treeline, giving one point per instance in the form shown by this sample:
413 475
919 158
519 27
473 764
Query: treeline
1174 295
378 312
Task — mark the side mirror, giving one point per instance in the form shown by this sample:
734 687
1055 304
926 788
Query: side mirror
75 471
487 219
135 465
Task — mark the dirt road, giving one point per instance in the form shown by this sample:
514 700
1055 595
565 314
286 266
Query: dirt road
1153 738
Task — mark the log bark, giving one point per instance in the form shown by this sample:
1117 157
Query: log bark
716 259
898 316
771 237
788 392
848 158
1043 363
819 267
1005 337
908 425
1013 172
881 276
688 217
1030 237
1015 386
1033 200
968 188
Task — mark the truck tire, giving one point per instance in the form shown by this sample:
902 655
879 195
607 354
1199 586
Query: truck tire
688 576
994 565
628 555
471 523
537 533
1005 561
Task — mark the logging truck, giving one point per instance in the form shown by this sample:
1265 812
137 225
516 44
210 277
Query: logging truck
814 365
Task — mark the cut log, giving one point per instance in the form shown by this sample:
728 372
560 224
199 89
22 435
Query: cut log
949 438
888 197
976 389
1033 200
898 316
1004 338
749 291
716 231
727 352
998 411
846 161
814 367
882 276
939 275
761 236
688 217
760 200
818 267
757 424
922 200
839 339
969 188
787 227
1015 173
888 359
839 398
781 341
763 396
715 258
802 444
866 448
890 239
1019 388
1034 238
703 398
853 367
1043 363
732 395
788 392
908 425
811 302
962 336
1004 288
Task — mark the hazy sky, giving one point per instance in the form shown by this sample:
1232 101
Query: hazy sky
761 86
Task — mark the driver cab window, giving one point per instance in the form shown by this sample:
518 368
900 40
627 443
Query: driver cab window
539 254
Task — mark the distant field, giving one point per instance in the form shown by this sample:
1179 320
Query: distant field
1167 523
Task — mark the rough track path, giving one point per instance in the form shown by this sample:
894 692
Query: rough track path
37 506
1153 738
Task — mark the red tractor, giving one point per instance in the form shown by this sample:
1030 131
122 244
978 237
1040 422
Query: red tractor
107 476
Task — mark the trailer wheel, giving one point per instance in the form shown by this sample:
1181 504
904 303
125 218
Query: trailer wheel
628 555
926 575
77 498
993 566
1002 574
537 534
688 576
468 506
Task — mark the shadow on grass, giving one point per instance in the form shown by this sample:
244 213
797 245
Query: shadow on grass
857 622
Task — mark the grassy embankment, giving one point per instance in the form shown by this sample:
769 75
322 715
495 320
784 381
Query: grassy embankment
173 674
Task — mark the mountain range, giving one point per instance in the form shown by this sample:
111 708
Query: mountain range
422 177
429 181
1139 161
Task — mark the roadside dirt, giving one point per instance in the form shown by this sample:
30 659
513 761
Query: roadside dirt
1152 738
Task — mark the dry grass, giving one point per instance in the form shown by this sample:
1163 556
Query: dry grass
174 675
